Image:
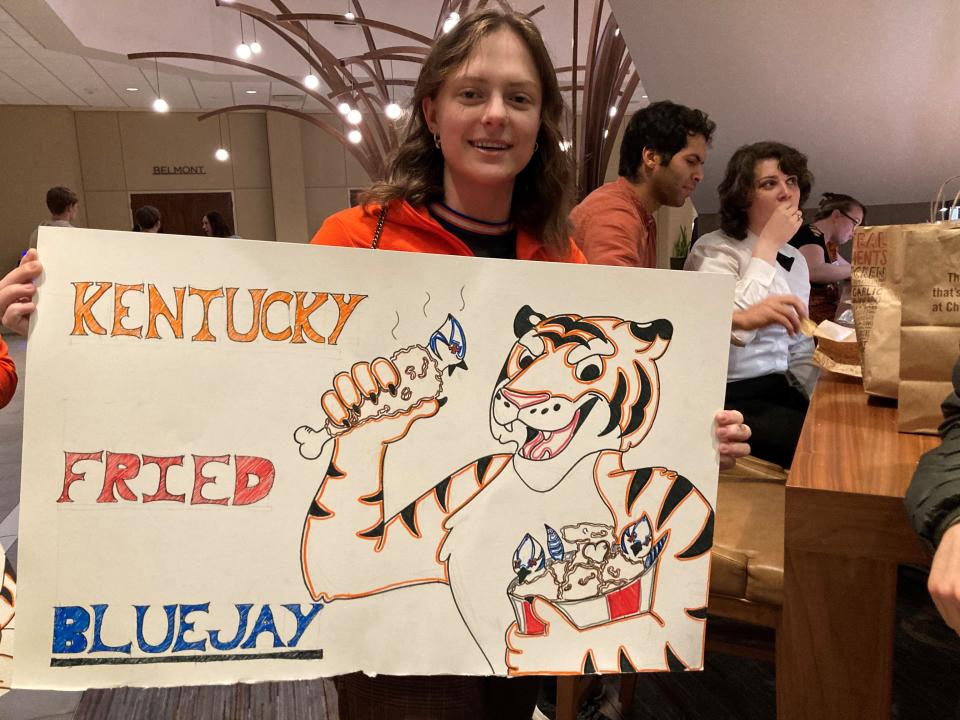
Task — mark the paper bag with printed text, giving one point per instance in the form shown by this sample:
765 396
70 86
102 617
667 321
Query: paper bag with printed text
930 325
878 254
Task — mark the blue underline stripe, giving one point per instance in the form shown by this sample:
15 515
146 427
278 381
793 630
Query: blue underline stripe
290 655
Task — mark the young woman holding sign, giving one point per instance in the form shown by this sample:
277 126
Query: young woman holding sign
480 172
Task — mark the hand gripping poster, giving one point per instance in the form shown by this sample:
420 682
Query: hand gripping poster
251 461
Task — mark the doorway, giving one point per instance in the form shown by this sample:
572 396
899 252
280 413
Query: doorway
181 212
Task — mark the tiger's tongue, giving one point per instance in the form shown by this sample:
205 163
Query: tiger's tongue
550 444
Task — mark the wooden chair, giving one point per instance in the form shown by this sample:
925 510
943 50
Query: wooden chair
746 575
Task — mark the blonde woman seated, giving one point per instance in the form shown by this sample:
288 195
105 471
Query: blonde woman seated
760 196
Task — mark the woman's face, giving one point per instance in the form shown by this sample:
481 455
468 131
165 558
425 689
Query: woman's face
487 114
844 223
771 188
207 228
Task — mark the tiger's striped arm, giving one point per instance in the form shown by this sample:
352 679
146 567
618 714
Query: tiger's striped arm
8 593
387 552
678 511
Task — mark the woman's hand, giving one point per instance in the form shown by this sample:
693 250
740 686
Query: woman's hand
732 435
17 291
786 310
782 225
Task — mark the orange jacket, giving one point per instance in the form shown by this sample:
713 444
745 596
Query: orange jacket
8 375
412 229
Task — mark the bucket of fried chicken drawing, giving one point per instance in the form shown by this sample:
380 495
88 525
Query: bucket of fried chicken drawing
601 580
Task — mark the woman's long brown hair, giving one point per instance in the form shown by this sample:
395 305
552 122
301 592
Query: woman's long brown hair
543 191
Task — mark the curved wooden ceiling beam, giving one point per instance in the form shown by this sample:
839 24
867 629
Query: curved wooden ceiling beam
236 63
331 78
389 27
361 157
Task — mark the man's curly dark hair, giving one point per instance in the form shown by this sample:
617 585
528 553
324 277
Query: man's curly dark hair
663 127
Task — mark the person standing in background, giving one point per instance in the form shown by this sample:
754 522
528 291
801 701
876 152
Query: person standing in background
147 219
63 204
214 225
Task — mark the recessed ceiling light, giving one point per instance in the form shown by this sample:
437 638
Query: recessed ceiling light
250 92
133 89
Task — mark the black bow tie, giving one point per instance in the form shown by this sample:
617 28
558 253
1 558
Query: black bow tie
785 261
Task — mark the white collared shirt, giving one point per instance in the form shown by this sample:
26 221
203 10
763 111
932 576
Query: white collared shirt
770 349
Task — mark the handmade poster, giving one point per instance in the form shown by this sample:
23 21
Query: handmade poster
251 461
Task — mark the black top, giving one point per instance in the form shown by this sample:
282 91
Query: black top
485 239
808 235
933 498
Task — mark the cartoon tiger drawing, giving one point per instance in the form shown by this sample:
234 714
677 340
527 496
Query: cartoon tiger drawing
8 592
574 394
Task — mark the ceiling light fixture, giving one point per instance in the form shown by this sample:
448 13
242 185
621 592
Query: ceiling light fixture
354 117
613 111
243 50
221 152
250 92
255 46
159 105
451 22
343 108
132 89
354 136
311 81
392 110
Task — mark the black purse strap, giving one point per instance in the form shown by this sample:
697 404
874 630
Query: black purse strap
376 234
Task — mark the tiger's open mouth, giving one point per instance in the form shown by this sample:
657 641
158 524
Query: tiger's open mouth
543 445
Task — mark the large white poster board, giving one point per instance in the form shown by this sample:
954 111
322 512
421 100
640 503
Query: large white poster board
252 461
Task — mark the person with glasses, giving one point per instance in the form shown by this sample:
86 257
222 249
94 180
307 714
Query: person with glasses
836 218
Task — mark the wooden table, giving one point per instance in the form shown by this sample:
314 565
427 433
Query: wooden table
845 532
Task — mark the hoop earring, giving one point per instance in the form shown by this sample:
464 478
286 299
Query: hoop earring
436 140
536 146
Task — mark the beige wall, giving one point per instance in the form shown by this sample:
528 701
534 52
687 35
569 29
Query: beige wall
284 182
38 149
329 171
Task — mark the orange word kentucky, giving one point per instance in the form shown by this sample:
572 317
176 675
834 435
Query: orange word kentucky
296 321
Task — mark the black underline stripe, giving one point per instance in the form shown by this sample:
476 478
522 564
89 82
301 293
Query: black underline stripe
294 655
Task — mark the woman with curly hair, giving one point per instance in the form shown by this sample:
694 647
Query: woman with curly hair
761 194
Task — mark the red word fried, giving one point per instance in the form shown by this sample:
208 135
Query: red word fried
254 477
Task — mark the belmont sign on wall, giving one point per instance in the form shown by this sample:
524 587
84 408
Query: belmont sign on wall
248 461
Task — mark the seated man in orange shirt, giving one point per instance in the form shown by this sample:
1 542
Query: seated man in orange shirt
662 155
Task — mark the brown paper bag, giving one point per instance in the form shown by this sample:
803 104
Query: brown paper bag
929 325
878 254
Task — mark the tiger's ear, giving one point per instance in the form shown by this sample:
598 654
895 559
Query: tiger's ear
658 333
527 318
